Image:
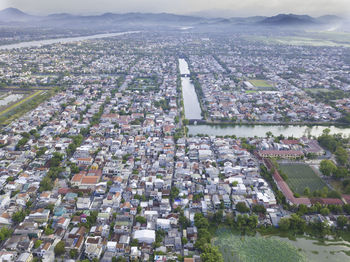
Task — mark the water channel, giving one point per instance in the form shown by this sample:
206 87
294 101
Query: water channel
261 130
193 112
192 108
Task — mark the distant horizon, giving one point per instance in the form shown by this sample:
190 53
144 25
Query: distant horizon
204 8
198 14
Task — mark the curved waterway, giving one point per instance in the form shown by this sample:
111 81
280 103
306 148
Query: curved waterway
64 40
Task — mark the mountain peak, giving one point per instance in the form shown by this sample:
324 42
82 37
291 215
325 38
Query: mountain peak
289 19
12 11
135 19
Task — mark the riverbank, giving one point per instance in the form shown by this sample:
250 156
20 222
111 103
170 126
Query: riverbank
191 103
250 123
63 40
194 113
252 130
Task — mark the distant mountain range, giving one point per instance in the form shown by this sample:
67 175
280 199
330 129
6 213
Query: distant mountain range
13 16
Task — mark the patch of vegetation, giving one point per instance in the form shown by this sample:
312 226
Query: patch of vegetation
260 83
24 106
301 176
252 248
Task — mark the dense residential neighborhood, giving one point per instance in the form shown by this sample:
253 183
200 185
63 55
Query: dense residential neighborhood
103 169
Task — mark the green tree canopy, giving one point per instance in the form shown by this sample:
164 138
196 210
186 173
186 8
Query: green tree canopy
284 224
211 254
341 155
342 221
60 248
18 216
242 207
327 167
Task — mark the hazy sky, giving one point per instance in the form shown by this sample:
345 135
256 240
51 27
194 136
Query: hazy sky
230 7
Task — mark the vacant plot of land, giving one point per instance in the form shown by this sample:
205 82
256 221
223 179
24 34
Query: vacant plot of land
20 102
260 83
301 176
11 98
26 104
251 91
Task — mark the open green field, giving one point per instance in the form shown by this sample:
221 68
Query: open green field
143 84
274 248
295 40
255 248
24 105
301 176
260 83
311 38
8 109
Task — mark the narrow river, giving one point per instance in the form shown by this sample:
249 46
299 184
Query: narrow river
261 130
192 108
193 112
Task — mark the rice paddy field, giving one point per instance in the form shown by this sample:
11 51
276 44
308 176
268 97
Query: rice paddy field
301 176
236 248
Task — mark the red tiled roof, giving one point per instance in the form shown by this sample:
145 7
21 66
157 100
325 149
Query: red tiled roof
63 190
90 180
61 220
77 177
97 172
290 142
85 159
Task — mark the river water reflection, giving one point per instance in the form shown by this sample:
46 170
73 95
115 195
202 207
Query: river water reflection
261 130
39 43
192 108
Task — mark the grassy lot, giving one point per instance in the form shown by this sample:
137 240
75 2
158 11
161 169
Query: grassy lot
260 83
8 109
338 186
28 103
295 40
307 39
18 88
301 176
